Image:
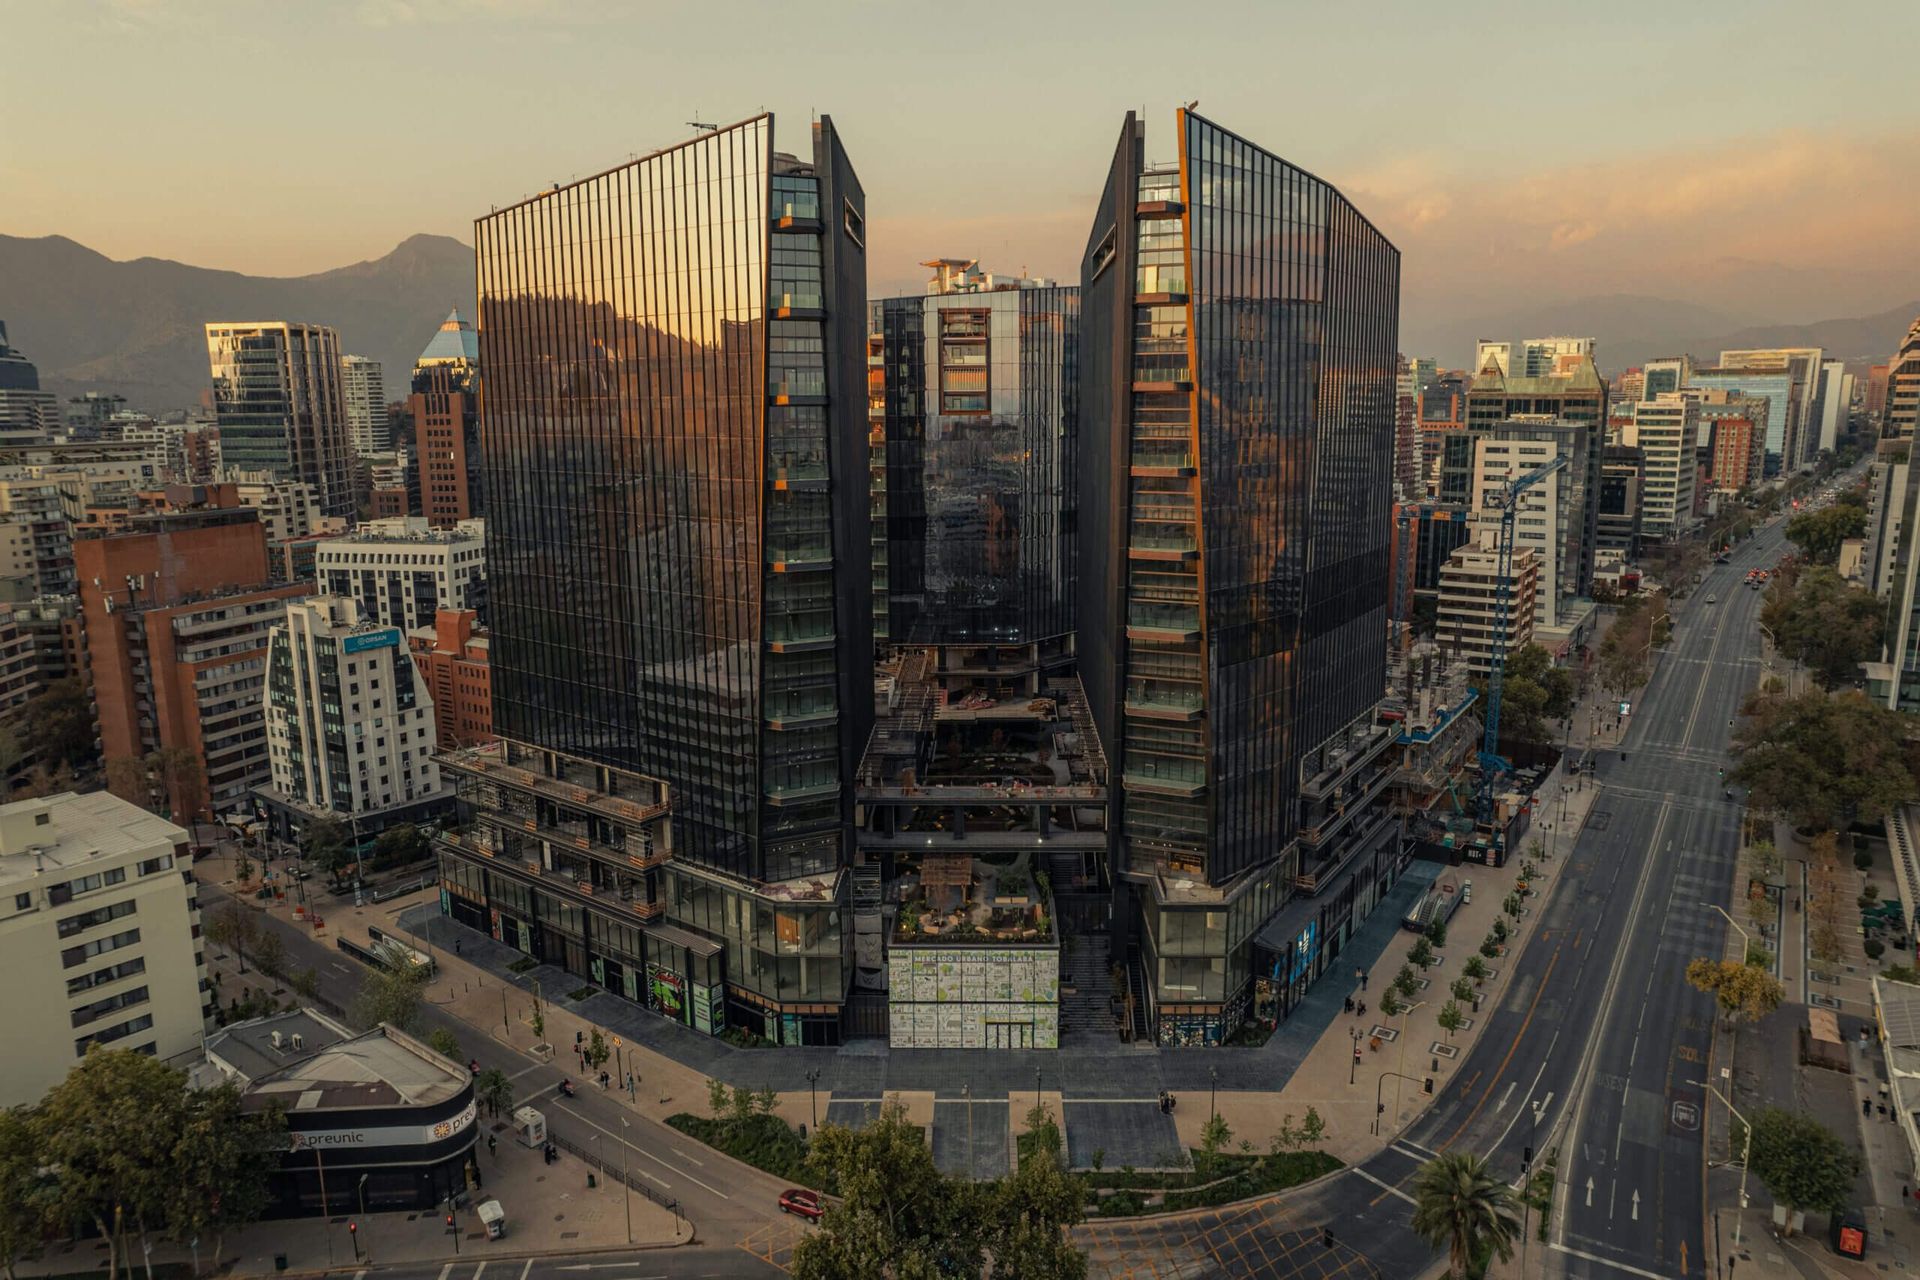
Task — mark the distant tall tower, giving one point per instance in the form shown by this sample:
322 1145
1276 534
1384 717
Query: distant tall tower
446 423
278 401
1901 400
364 391
27 413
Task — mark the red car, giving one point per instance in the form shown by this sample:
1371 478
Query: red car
804 1203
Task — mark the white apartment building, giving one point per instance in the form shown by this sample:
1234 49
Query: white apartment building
350 726
1667 432
1551 515
99 938
1468 593
288 508
364 394
403 570
1540 357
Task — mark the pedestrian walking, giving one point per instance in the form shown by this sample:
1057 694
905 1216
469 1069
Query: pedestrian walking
1866 1106
1349 1004
604 1077
492 1142
456 946
629 1082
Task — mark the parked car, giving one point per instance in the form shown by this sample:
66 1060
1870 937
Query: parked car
804 1203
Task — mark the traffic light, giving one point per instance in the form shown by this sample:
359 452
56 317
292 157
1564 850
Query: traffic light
1526 1157
1427 1086
449 1222
353 1228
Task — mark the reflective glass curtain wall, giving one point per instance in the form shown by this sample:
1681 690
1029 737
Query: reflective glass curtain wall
1258 466
980 412
663 446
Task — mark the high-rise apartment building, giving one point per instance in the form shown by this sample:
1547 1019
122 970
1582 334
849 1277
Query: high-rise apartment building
1875 403
1469 621
1577 396
451 656
445 405
1238 335
678 551
363 395
177 610
99 938
280 407
1545 357
1667 433
1552 514
1775 386
402 571
28 415
1665 376
1622 471
1900 401
1801 368
350 723
1836 400
1739 453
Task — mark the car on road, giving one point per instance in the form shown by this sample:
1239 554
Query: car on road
805 1204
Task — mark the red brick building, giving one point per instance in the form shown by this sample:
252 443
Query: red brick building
177 609
452 656
1739 454
446 419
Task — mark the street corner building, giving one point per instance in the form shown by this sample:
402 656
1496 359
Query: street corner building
1239 326
376 1121
674 455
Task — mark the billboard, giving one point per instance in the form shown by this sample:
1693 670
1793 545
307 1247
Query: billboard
385 638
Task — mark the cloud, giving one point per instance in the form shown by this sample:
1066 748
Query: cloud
1785 222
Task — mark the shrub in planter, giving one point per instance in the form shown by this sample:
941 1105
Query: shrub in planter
1874 948
1476 968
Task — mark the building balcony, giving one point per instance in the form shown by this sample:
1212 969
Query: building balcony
800 221
797 305
1162 777
1163 622
1160 298
1320 867
1161 463
1165 704
806 718
799 633
1162 386
799 792
1158 209
795 388
1162 546
799 555
489 763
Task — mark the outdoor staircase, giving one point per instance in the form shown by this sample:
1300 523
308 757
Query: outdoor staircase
1086 990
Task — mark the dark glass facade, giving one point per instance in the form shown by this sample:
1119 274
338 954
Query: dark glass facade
979 412
674 463
1240 325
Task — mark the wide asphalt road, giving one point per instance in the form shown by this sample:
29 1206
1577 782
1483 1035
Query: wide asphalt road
1598 1037
726 1201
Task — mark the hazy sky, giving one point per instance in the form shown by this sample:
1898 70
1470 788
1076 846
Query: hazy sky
1761 154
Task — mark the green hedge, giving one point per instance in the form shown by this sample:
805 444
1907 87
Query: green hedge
765 1142
1231 1177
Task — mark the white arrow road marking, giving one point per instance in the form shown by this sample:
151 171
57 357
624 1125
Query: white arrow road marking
1636 1206
1589 1198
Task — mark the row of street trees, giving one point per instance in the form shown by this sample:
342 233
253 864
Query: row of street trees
1819 618
1641 624
124 1147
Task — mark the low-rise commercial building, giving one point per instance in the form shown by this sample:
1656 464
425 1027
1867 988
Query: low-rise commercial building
99 938
376 1118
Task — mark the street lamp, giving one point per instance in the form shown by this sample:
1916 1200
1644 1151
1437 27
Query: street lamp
1354 1070
1746 1156
1213 1089
813 1098
1404 1013
361 1190
966 1094
1036 1088
1744 935
626 1190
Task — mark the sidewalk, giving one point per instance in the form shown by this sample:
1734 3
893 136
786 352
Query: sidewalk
1414 1042
549 1209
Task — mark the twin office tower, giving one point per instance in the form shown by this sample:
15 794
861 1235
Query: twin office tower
826 631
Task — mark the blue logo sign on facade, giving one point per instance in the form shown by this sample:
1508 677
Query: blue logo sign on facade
385 638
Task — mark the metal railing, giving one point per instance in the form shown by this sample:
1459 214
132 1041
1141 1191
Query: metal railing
627 1177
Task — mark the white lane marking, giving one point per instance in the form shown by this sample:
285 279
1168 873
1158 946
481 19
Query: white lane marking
477 1270
689 1159
1584 1256
526 1267
1392 1190
446 1271
1505 1097
643 1152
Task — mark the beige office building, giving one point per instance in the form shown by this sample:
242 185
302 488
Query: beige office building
1468 619
99 938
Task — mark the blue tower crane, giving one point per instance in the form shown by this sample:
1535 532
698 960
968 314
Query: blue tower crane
1493 766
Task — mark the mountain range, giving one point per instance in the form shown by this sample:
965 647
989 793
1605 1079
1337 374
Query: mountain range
135 328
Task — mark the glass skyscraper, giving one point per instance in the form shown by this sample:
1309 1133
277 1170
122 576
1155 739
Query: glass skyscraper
674 469
1239 330
278 399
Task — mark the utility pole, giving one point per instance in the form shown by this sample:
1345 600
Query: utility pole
626 1190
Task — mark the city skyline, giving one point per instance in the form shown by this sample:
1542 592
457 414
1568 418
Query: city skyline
1705 184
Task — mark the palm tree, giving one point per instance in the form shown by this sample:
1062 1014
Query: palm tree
1460 1207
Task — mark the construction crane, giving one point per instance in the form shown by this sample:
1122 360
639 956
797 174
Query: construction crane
1492 765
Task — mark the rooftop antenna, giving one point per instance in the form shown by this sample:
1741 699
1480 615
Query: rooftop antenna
698 124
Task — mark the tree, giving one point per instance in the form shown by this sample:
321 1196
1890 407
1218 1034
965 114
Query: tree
1801 1163
896 1213
717 1097
1533 692
1390 1004
1819 618
1030 1213
324 843
179 774
1451 1019
444 1043
234 928
59 723
24 1189
1463 990
1742 990
598 1050
306 982
390 994
1825 905
107 1132
1824 762
401 844
1462 1208
269 953
1407 981
1819 532
1215 1134
494 1088
221 1165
